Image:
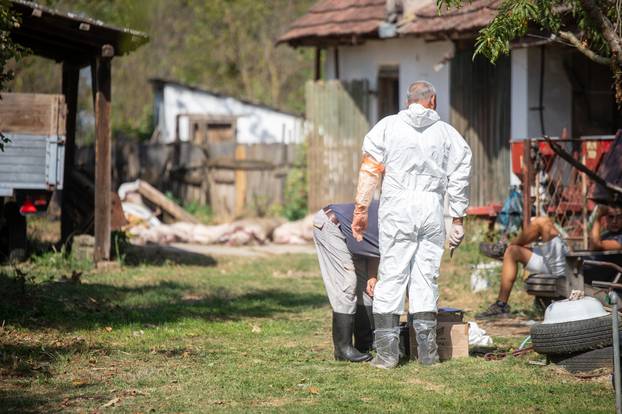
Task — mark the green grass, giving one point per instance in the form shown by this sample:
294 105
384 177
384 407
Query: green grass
241 335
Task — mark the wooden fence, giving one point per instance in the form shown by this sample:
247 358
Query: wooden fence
246 183
337 113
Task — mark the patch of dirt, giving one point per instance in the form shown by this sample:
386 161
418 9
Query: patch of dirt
272 402
193 297
290 274
505 327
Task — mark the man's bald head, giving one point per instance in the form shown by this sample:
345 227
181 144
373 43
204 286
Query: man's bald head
423 93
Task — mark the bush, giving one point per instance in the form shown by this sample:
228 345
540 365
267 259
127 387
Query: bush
295 204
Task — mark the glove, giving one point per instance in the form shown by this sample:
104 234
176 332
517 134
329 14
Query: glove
359 222
456 235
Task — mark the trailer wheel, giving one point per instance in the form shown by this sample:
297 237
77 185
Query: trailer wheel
16 226
574 336
585 361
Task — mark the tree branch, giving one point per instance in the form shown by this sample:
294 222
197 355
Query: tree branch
570 37
602 22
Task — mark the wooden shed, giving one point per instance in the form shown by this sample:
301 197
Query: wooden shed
78 42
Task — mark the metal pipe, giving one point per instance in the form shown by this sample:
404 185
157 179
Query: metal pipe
616 351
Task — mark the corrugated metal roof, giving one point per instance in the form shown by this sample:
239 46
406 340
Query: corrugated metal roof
348 21
160 83
68 36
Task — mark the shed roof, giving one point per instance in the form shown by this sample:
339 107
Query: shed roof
353 21
67 36
160 83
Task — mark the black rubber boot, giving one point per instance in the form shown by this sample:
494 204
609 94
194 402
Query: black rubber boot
424 324
342 339
386 340
363 328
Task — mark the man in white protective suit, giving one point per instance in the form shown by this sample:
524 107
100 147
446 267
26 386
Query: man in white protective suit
422 159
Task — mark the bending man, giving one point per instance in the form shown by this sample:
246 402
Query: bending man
348 267
422 159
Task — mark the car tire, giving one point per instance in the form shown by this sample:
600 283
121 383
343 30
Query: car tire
585 361
571 337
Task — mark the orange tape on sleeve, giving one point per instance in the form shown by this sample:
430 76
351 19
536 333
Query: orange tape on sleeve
369 164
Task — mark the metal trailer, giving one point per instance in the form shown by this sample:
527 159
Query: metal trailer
566 185
31 164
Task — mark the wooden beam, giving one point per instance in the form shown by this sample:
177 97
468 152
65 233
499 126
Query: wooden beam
103 179
32 113
318 63
336 58
153 195
71 77
527 181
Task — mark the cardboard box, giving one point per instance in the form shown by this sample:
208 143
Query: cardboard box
452 339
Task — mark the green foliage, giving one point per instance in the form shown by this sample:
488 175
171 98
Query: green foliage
224 45
204 214
9 51
517 18
56 263
295 205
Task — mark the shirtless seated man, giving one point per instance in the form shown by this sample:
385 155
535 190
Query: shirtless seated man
550 256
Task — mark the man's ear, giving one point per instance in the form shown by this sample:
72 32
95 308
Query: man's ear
433 102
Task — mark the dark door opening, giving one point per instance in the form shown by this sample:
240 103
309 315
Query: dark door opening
388 90
594 110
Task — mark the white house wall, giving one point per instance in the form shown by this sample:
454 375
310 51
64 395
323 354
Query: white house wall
417 60
557 96
255 124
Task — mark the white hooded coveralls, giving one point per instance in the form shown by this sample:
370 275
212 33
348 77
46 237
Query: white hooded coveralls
424 159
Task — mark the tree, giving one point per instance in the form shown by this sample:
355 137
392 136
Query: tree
227 46
9 50
593 27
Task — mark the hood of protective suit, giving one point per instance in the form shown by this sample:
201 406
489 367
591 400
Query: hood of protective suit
418 116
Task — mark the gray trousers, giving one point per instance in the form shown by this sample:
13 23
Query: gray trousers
344 274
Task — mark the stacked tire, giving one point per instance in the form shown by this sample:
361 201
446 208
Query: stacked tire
577 346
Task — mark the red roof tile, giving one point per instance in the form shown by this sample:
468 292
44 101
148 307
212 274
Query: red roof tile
336 19
351 20
467 19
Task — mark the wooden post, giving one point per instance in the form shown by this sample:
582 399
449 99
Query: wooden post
318 63
102 85
336 58
71 76
527 180
240 182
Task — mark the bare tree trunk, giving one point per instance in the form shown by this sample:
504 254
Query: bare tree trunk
606 27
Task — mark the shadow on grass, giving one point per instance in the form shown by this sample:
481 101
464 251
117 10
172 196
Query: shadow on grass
22 360
71 306
156 255
133 255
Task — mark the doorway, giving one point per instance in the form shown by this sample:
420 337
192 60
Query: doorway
388 90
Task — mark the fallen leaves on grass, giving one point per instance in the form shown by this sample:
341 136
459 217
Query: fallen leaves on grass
112 402
256 328
79 382
313 390
108 328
